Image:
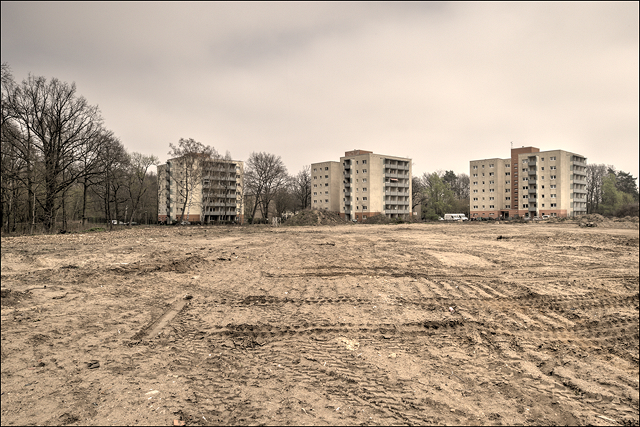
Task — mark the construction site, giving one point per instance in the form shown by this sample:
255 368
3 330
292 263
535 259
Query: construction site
474 323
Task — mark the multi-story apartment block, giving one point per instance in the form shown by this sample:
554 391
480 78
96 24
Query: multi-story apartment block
363 184
326 185
215 194
531 183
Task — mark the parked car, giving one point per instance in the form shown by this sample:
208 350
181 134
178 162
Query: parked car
545 216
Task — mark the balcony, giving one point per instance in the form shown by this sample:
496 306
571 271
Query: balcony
391 184
533 181
579 181
532 190
579 163
532 163
391 174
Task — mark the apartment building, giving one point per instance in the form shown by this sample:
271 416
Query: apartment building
215 194
528 184
363 184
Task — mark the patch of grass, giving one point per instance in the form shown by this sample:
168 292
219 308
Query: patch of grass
95 229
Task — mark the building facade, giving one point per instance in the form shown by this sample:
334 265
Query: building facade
528 184
212 188
363 184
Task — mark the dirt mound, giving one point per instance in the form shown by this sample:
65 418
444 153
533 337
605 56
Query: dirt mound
377 219
597 220
316 217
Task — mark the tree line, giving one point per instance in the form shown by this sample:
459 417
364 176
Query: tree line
59 163
611 192
439 192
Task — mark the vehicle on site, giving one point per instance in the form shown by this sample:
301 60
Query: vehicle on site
455 217
545 216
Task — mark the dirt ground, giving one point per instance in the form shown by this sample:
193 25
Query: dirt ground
475 323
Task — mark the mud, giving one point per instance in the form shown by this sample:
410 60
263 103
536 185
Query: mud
490 324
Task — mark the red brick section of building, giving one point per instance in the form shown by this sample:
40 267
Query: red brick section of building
356 153
515 173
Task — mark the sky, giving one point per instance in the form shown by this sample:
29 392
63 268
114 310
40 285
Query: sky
440 83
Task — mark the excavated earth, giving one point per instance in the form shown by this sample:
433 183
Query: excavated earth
475 323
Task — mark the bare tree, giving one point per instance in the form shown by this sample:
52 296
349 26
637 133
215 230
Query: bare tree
596 173
265 175
187 174
112 159
301 188
57 124
137 172
417 192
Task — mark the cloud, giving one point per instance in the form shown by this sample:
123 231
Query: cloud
442 83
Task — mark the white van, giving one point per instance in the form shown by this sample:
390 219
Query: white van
455 217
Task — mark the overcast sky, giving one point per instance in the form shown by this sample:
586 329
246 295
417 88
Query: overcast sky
441 83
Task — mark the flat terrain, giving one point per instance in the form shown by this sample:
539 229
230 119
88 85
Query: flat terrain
471 323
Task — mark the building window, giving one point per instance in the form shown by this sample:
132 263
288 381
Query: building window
553 196
326 192
315 193
551 177
364 198
315 201
542 168
364 208
507 198
364 162
492 206
508 190
552 186
364 171
475 166
326 184
552 168
364 188
364 179
552 158
326 176
314 169
553 205
326 168
475 207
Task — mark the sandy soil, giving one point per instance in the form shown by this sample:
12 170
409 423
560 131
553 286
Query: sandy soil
322 325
